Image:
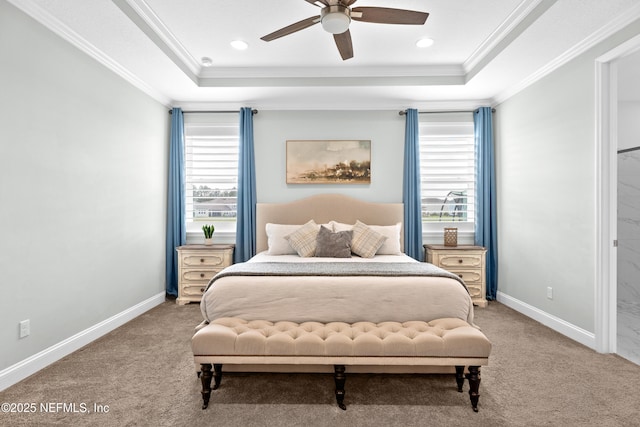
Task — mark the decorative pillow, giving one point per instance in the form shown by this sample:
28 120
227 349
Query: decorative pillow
277 244
339 226
391 246
303 240
334 245
366 241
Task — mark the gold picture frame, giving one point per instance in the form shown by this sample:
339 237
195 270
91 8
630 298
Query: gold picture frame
328 162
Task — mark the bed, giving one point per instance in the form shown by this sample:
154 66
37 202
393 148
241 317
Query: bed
334 295
306 279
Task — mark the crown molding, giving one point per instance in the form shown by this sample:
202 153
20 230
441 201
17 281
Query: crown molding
464 105
159 28
150 24
330 81
331 76
62 30
599 36
443 70
525 19
510 28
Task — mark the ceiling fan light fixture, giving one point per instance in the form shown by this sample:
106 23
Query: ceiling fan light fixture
335 19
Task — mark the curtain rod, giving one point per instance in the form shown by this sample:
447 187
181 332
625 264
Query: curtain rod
403 112
253 112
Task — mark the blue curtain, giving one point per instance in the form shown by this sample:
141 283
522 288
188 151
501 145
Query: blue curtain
411 188
246 220
486 231
176 233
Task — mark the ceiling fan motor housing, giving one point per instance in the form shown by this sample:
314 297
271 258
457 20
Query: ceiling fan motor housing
335 19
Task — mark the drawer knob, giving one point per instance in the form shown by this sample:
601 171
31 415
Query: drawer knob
459 261
201 274
202 290
460 276
202 260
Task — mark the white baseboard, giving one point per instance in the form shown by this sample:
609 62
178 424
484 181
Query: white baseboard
565 328
29 366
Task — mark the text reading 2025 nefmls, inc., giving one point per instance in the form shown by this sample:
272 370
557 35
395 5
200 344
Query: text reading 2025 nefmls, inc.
54 408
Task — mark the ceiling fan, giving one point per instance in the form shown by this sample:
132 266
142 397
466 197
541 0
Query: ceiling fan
336 15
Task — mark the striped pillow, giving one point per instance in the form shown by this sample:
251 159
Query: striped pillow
366 241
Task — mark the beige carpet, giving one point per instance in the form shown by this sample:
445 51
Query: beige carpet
143 374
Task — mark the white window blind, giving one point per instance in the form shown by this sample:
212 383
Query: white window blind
447 171
211 170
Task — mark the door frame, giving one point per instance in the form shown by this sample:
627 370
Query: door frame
606 289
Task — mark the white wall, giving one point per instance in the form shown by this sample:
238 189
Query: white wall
545 138
83 161
272 129
628 124
385 129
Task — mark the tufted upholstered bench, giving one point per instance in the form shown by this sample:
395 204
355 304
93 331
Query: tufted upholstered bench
441 342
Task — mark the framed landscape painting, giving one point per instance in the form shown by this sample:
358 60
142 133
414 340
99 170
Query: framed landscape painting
329 162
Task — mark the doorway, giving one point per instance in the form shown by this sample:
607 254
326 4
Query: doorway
628 208
615 331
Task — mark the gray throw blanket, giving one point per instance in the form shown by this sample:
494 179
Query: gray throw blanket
388 269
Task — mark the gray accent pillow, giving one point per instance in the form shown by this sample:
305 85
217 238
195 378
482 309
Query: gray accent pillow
333 245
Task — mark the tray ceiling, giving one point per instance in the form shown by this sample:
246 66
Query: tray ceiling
483 50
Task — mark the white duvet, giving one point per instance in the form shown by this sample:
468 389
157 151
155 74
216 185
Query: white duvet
336 298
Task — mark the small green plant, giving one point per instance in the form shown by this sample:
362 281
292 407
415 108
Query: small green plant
208 230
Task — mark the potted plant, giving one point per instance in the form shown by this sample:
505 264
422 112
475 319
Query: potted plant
208 230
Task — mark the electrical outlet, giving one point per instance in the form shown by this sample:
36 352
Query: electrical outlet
25 328
549 292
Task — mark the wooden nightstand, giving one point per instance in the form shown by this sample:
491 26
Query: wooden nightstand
465 261
197 264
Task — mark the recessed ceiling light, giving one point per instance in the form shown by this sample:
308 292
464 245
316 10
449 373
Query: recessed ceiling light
239 44
424 42
206 61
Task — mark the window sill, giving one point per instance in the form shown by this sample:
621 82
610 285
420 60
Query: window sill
197 237
437 237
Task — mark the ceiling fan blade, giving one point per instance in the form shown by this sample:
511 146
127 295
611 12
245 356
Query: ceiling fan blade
301 25
345 47
384 15
314 2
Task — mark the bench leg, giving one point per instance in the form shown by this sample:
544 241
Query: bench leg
460 377
340 378
474 386
217 375
205 377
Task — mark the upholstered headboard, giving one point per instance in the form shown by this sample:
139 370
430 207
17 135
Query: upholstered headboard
323 208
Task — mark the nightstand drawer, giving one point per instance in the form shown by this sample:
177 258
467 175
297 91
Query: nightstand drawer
453 260
193 291
198 276
202 260
469 276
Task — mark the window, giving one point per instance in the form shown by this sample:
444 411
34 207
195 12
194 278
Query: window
211 170
447 171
